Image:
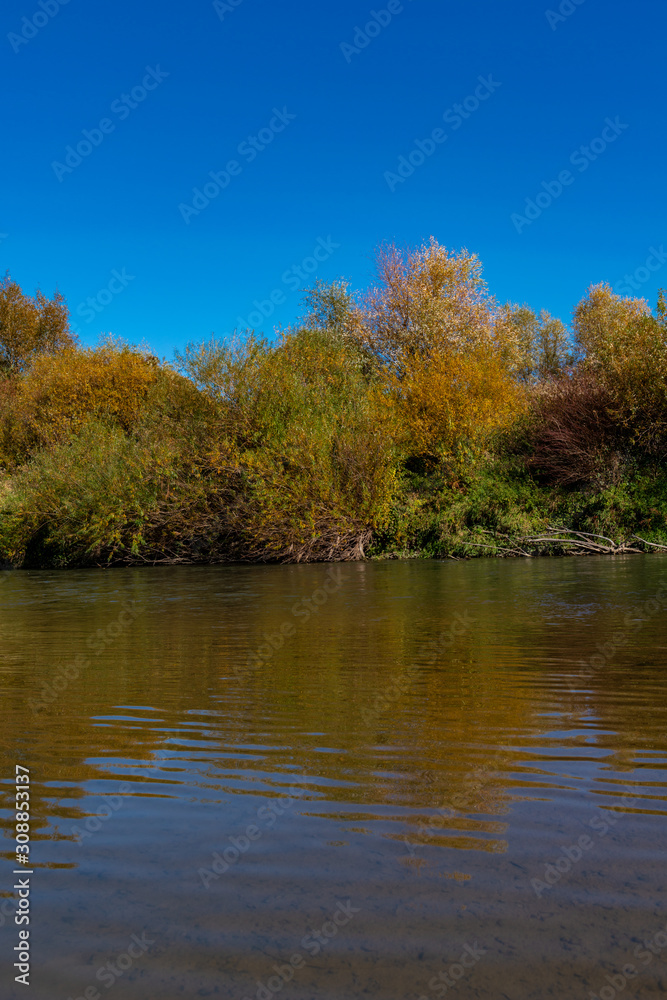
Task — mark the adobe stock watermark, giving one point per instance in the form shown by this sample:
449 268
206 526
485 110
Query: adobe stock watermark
566 10
111 972
304 609
630 283
96 304
379 20
122 108
459 802
249 149
581 158
30 27
97 642
293 278
399 687
313 943
224 7
110 805
454 117
240 844
447 980
573 853
633 622
645 953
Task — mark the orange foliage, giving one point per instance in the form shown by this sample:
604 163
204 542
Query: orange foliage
450 402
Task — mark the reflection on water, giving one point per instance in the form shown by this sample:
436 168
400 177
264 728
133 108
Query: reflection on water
378 780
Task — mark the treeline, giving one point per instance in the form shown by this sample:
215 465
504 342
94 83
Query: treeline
420 416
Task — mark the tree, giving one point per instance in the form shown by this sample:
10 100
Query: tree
30 326
62 390
449 403
330 308
426 300
601 324
625 346
536 345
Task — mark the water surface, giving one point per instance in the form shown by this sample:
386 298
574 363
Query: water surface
360 781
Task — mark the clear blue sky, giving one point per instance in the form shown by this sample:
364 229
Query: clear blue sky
325 176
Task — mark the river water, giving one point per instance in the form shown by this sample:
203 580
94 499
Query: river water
388 780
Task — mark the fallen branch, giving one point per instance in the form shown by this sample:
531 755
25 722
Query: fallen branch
654 544
588 546
582 534
582 544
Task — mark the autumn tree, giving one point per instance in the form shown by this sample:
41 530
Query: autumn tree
448 403
30 326
60 391
537 345
425 300
601 323
429 322
625 347
330 308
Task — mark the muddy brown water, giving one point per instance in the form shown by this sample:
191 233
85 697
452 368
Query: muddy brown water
388 780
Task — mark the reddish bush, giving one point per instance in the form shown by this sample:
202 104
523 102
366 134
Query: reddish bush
576 439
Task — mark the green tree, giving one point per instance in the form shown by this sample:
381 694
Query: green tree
537 345
330 308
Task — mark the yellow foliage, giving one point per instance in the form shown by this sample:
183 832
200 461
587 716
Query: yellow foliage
449 402
54 397
446 363
109 381
602 321
30 326
626 348
535 346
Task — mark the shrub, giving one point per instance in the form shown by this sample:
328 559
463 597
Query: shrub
576 440
83 501
58 392
306 440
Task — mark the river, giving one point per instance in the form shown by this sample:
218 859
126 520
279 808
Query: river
387 780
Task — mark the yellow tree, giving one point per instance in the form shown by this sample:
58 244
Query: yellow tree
30 326
601 324
626 348
450 402
59 392
447 365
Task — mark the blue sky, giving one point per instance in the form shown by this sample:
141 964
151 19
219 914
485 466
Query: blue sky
305 121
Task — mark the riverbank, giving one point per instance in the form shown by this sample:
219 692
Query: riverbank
419 416
496 513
